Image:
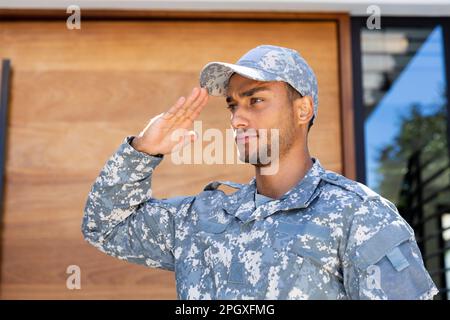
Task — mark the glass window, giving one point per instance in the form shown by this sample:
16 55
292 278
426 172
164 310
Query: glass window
405 133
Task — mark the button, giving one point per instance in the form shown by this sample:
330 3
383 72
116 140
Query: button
332 176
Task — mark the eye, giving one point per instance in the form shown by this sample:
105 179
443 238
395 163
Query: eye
255 100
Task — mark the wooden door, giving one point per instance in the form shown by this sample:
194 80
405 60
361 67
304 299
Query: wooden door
77 93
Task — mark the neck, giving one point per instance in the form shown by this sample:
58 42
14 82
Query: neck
292 167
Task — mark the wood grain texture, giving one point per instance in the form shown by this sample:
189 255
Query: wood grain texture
347 118
77 94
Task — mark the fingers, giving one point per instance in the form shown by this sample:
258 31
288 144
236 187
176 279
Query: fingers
195 111
193 97
191 111
186 137
169 114
185 111
178 110
195 94
201 102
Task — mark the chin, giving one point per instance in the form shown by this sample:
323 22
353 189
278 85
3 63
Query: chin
253 159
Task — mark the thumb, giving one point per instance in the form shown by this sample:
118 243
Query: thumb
187 138
192 136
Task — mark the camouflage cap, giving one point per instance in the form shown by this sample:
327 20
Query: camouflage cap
263 63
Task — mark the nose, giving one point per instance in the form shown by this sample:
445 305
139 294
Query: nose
239 119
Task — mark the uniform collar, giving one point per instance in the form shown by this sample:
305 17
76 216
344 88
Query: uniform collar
242 205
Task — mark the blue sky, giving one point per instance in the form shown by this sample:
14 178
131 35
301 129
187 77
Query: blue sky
420 82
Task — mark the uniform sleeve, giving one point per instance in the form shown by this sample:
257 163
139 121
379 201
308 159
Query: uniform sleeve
123 220
381 259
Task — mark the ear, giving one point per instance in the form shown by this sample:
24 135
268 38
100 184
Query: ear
304 108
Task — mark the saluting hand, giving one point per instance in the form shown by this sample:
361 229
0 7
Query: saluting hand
157 137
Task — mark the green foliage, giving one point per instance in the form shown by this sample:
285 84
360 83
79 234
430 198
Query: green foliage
417 131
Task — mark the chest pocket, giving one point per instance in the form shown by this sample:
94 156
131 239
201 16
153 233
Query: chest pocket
211 226
215 222
313 261
213 241
210 232
310 241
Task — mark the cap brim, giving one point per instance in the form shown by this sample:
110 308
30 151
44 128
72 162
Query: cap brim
215 76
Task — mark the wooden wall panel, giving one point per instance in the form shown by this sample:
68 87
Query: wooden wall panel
77 93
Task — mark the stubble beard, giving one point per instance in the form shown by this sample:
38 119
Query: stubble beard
262 156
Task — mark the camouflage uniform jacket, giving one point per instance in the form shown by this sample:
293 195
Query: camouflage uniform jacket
327 238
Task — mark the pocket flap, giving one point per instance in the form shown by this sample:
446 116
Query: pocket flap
315 230
211 226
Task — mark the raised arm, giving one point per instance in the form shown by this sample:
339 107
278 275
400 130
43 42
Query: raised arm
121 218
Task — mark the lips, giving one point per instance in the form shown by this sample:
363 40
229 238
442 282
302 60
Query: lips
245 137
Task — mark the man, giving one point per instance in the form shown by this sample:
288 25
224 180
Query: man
300 233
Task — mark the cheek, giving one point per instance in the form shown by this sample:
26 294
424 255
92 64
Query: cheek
270 112
281 117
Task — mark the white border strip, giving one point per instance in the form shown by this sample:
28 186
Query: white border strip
435 8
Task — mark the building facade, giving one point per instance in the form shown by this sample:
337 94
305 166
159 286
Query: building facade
77 80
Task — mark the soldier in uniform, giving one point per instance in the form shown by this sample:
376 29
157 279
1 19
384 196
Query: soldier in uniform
303 232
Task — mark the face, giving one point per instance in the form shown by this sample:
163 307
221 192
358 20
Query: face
255 106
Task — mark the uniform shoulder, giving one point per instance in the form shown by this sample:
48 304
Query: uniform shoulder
364 208
333 180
